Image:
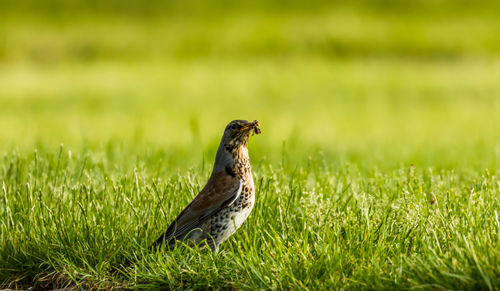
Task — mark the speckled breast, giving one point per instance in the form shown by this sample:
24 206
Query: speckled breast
230 218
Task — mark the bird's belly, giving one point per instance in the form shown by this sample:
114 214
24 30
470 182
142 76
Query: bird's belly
231 218
239 217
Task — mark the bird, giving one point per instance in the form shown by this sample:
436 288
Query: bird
227 199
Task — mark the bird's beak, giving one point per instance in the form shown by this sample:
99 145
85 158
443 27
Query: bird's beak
252 126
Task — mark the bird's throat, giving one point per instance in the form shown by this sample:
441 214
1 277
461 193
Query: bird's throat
235 161
241 163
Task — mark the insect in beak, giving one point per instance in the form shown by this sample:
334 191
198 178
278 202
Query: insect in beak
255 127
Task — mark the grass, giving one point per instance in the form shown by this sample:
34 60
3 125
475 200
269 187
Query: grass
73 219
377 167
385 112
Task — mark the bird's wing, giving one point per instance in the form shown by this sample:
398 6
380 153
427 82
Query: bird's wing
221 189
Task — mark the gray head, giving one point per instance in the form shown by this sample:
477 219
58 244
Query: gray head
234 142
237 133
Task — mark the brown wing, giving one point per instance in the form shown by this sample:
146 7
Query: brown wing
221 189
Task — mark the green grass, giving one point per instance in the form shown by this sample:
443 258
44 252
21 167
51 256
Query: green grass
377 167
72 219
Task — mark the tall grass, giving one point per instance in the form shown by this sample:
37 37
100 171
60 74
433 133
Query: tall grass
72 219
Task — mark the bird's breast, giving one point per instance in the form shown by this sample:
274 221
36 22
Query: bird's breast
242 207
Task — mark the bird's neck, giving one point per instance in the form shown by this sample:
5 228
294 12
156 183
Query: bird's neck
240 154
235 162
241 167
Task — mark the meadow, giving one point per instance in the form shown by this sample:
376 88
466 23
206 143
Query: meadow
377 166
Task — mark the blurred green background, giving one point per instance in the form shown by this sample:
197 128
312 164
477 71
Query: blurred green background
384 82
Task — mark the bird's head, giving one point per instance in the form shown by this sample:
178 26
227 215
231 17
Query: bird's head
237 133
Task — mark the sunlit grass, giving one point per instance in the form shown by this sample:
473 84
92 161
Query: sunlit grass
72 219
440 112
